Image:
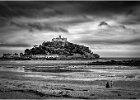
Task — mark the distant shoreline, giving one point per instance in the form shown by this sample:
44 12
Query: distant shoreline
20 58
100 61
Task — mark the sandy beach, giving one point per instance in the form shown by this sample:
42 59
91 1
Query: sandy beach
39 80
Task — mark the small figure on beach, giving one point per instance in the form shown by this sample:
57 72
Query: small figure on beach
107 85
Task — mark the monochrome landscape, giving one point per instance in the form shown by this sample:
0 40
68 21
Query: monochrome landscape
69 50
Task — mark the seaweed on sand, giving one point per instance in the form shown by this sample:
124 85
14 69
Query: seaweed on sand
55 70
61 94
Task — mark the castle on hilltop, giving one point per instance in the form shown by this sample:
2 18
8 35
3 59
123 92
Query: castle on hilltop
57 49
59 39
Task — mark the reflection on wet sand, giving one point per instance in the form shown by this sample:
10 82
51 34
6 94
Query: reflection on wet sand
13 69
78 72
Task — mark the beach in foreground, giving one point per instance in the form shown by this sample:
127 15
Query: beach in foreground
67 80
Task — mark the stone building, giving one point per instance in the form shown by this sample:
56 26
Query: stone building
59 39
40 56
7 55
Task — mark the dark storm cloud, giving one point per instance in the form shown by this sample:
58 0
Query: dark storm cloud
49 9
103 23
3 21
135 41
110 7
29 8
42 9
7 11
38 26
14 45
135 19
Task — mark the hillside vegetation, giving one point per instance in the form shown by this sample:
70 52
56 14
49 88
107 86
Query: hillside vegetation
65 49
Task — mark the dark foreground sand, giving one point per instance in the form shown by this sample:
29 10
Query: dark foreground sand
70 85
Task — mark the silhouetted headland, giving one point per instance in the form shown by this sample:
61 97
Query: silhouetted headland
57 49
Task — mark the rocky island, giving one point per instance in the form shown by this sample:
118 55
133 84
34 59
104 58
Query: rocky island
60 48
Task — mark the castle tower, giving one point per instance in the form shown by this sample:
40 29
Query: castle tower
59 39
59 36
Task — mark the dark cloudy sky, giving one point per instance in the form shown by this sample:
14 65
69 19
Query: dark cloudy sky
111 29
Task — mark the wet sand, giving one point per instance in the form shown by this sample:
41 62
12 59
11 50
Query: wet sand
88 82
